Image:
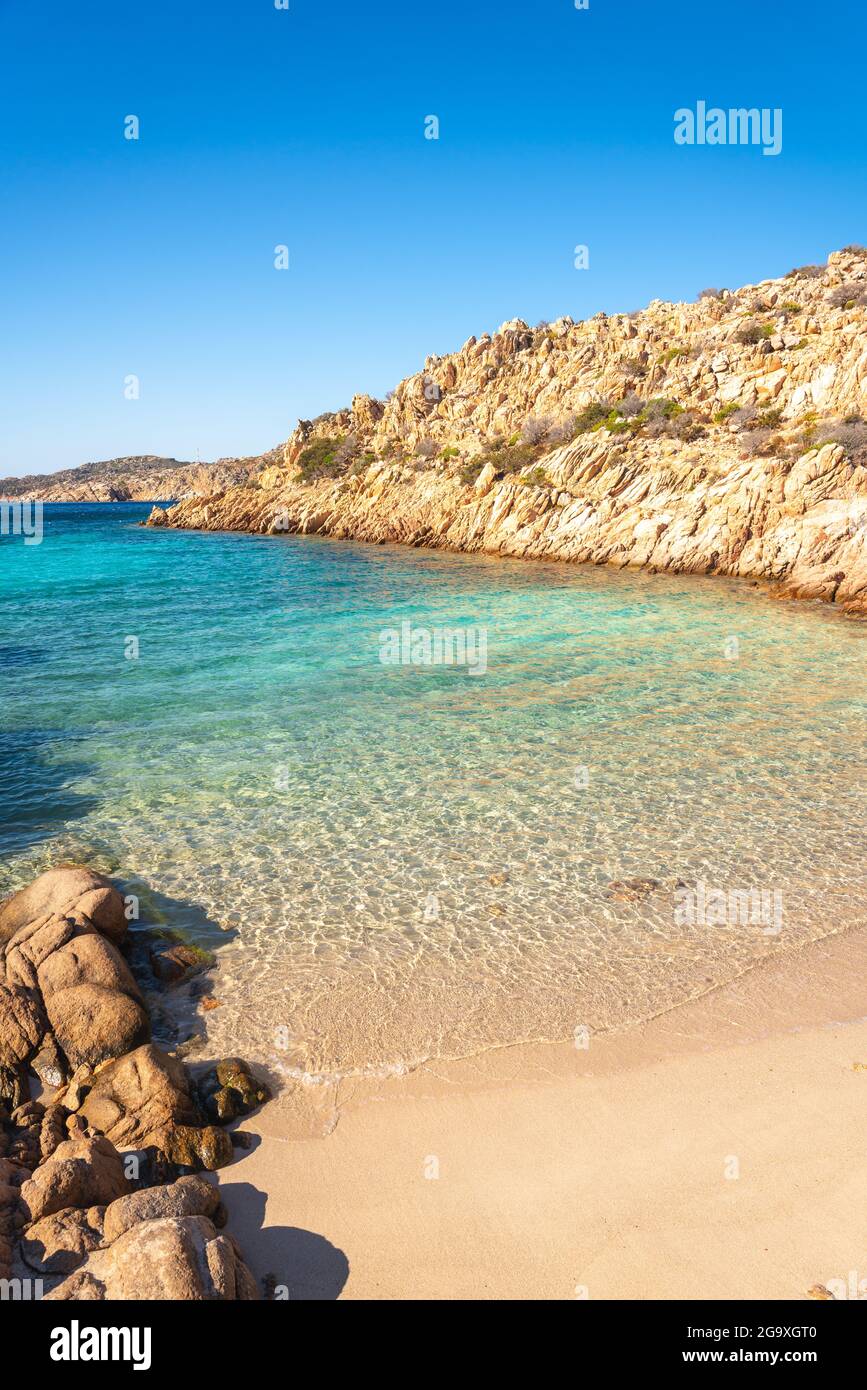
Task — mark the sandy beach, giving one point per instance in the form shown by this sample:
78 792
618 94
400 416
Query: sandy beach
716 1152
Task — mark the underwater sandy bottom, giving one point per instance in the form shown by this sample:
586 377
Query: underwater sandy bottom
399 862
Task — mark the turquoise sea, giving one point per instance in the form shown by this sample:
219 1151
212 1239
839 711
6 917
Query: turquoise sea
399 861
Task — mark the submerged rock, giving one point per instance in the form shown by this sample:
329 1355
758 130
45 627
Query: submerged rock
173 961
631 890
230 1090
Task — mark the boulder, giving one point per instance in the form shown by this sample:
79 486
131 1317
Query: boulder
135 1099
60 892
92 1024
32 944
52 1130
86 959
11 1214
174 1258
80 1173
22 1024
230 1090
14 1085
59 1243
91 1000
12 1174
189 1196
71 1010
192 1146
24 1128
12 1177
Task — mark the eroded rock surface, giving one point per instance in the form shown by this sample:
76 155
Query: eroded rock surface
88 1189
79 1173
69 891
134 1100
178 1258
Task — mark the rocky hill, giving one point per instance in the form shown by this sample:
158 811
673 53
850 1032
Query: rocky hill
145 478
724 435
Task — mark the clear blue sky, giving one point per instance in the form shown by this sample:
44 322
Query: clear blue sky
305 127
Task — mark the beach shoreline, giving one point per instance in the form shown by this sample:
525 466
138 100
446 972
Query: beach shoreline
714 1152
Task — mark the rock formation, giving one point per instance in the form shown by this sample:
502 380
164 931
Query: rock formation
140 479
98 1193
724 436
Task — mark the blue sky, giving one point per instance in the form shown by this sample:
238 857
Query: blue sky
305 127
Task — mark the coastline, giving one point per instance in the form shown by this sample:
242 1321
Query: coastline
719 437
563 1169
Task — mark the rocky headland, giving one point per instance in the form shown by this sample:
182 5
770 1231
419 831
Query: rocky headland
100 1189
141 479
722 436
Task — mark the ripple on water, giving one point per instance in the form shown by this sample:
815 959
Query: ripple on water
417 861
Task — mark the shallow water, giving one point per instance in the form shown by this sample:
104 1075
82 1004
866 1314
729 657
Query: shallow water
397 861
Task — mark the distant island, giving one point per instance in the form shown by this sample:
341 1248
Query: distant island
140 478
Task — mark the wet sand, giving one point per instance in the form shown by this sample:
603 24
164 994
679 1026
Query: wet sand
715 1152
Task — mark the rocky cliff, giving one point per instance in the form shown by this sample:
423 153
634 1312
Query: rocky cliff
146 478
724 435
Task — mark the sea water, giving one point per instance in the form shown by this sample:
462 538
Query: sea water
281 747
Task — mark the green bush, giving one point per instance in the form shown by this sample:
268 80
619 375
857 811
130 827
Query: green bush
320 460
769 419
616 424
661 408
633 366
508 455
806 272
470 471
591 416
752 333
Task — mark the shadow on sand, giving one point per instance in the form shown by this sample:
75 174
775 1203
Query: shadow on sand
306 1265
